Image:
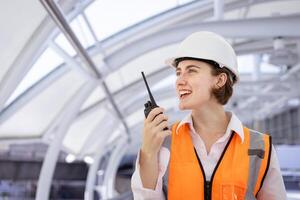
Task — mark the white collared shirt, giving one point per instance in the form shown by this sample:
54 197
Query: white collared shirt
273 181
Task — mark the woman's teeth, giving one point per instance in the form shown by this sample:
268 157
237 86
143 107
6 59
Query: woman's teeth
184 93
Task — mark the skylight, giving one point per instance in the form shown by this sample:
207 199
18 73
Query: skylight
246 64
80 28
47 62
108 17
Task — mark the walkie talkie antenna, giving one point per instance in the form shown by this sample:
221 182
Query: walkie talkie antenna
149 92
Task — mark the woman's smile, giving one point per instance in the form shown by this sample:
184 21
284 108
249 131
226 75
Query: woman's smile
184 93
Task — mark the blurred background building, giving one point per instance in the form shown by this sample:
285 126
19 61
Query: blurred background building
72 95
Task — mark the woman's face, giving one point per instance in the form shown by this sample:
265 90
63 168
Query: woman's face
194 84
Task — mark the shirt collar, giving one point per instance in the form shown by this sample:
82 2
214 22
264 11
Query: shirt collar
234 125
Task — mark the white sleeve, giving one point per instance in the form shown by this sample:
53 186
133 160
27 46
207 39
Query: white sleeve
141 193
273 186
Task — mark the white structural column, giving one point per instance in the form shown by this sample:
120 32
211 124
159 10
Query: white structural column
218 9
68 115
92 175
108 191
255 77
257 65
101 150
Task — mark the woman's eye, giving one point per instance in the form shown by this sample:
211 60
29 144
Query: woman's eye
191 70
177 73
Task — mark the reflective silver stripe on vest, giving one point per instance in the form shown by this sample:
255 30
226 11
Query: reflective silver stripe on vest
166 144
256 153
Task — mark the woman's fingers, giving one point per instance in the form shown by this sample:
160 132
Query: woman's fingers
154 132
159 119
153 113
161 126
166 133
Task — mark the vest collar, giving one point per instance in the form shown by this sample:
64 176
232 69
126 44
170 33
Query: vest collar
234 125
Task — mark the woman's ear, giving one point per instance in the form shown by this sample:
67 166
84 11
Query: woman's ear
221 80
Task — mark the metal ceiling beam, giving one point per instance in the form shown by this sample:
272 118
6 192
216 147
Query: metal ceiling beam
138 86
268 107
45 29
196 9
133 104
256 1
98 136
218 9
31 52
121 95
32 92
270 87
58 17
257 28
70 61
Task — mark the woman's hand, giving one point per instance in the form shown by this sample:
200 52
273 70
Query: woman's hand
153 137
153 134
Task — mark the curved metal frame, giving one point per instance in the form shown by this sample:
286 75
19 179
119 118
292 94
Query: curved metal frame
68 115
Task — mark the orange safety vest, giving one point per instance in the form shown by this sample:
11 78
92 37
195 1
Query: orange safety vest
238 175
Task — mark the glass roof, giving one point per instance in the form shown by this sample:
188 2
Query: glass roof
94 24
45 64
96 16
106 23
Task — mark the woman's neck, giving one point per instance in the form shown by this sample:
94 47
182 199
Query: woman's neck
210 119
210 123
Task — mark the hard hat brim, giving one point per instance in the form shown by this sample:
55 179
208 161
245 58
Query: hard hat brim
172 62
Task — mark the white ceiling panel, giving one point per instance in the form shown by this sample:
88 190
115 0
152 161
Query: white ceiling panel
273 8
95 96
18 21
83 128
33 118
149 63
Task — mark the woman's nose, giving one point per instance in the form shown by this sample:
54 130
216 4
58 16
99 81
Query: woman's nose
181 80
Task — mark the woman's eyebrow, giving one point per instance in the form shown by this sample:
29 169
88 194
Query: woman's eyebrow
191 66
187 67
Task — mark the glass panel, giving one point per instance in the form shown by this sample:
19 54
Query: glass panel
115 81
95 96
181 2
245 64
82 31
110 16
268 68
62 41
46 63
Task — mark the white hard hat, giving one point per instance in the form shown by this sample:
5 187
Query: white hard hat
208 46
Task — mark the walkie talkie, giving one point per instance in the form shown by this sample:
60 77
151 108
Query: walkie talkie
150 104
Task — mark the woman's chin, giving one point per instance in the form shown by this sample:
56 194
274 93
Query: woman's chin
183 106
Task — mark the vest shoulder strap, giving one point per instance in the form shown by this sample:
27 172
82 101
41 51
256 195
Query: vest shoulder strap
167 144
259 153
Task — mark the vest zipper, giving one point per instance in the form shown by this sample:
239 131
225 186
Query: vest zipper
208 184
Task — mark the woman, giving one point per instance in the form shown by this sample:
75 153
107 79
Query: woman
209 154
